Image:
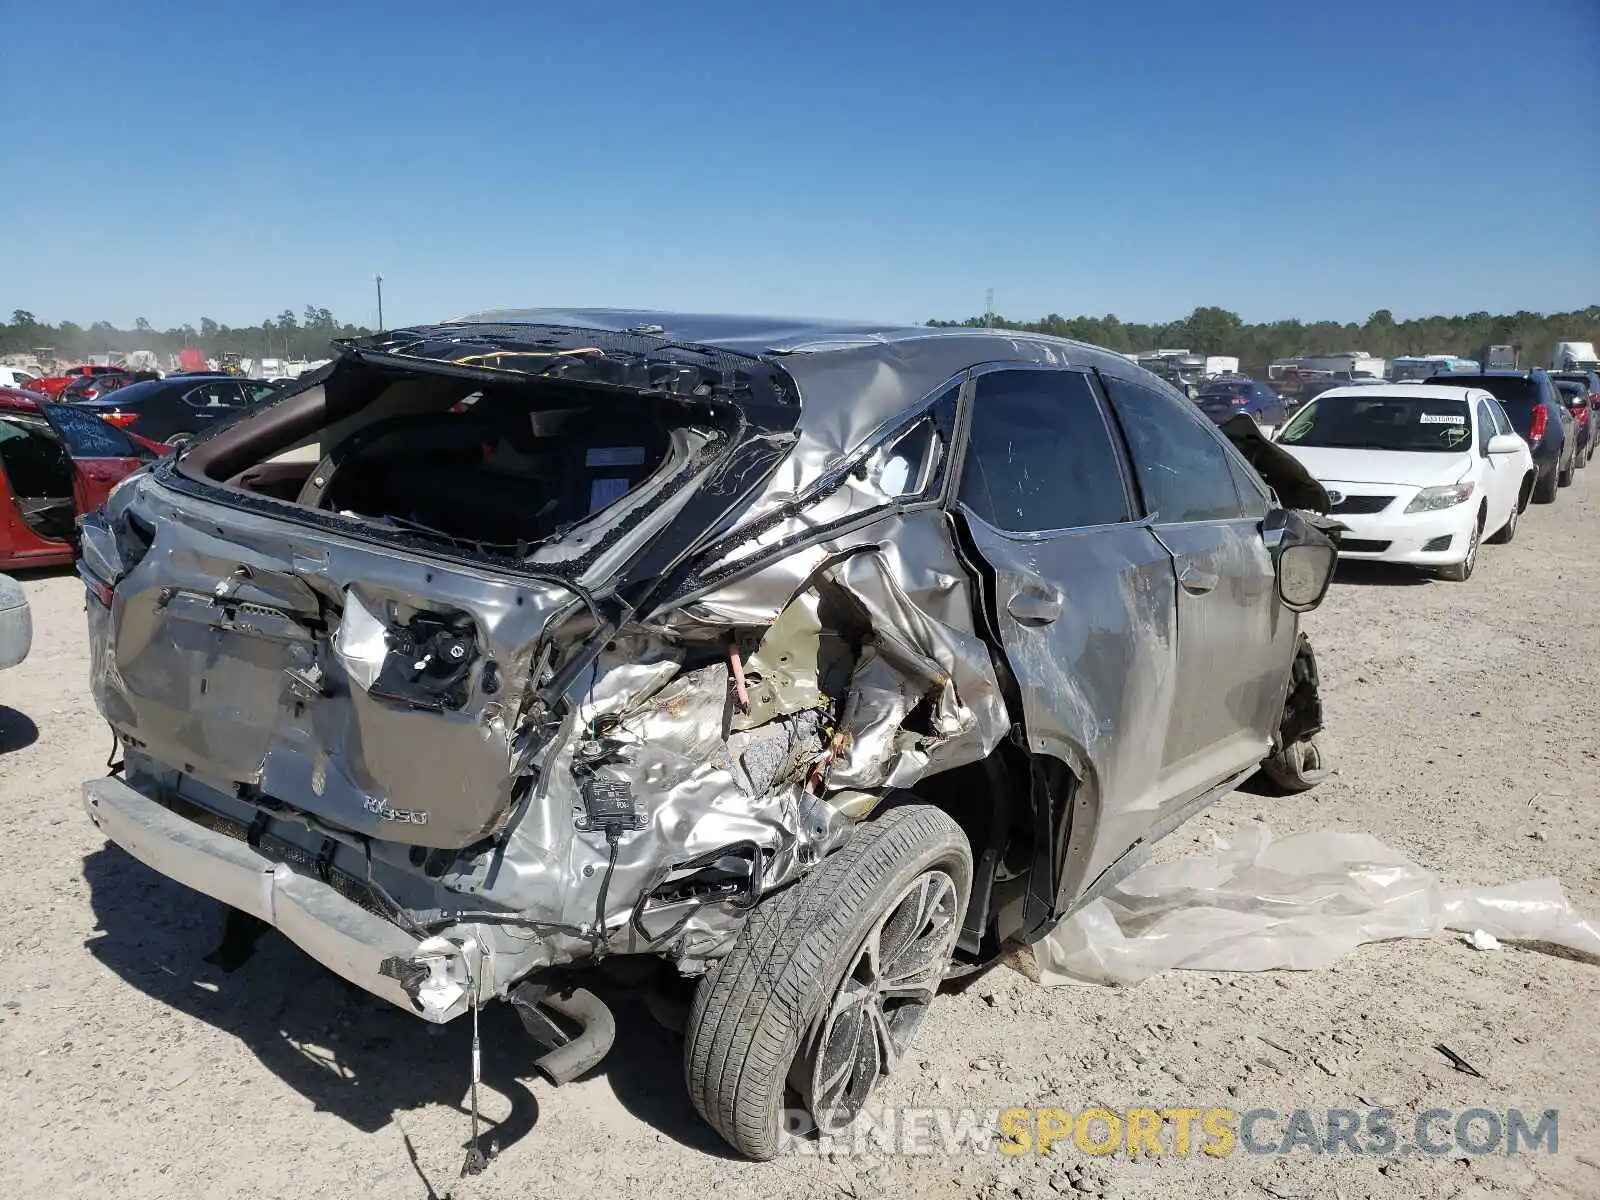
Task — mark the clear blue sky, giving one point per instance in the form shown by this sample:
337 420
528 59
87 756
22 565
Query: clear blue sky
885 160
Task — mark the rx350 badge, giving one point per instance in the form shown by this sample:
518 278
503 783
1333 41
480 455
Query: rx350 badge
380 809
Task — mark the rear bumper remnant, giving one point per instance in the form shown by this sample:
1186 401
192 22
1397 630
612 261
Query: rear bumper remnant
337 932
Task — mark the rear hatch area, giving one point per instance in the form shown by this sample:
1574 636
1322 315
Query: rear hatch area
345 605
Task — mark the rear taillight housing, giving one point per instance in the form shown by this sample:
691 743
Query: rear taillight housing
1540 418
119 418
98 588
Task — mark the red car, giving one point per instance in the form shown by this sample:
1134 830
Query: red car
53 385
56 464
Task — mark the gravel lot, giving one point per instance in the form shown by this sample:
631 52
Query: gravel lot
1463 719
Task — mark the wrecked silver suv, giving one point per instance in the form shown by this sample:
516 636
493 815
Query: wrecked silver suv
822 662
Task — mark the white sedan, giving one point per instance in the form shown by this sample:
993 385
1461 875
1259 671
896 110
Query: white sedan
1421 474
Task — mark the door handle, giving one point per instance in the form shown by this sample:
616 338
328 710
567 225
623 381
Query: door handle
1034 606
1195 581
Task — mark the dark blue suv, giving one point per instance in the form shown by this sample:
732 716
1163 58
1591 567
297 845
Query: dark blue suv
1537 413
1223 399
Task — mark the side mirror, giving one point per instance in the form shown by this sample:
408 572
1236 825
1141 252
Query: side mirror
1304 573
1304 556
1503 443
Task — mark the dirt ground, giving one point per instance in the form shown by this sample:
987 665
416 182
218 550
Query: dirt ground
1463 719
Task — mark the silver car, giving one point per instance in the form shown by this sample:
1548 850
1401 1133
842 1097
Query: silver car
821 662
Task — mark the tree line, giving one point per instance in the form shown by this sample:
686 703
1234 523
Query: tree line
284 336
1211 330
1207 330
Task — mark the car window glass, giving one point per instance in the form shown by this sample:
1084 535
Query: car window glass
1040 454
219 393
87 436
1184 470
1486 426
1254 496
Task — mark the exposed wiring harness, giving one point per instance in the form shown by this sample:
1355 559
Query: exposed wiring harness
748 899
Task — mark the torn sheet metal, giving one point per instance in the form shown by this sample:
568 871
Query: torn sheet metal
913 660
1259 904
699 786
821 717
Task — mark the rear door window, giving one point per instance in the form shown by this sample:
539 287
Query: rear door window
215 393
1041 455
87 436
1182 465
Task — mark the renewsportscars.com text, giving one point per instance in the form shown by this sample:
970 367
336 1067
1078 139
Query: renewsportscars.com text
1184 1130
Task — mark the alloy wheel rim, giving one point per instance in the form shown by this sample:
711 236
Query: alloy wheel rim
885 993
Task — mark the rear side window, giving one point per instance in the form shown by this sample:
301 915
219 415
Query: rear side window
219 393
87 436
1183 468
1040 454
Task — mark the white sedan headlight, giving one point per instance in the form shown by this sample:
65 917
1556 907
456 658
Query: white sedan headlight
1445 496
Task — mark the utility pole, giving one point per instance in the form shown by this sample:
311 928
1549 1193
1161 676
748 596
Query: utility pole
378 279
988 308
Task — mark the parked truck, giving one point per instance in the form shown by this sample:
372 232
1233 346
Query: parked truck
1574 356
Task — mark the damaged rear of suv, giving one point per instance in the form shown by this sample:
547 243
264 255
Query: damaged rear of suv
822 662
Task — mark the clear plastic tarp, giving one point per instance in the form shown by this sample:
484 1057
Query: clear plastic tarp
1257 903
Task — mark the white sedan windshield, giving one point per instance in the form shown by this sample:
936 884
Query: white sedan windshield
1408 423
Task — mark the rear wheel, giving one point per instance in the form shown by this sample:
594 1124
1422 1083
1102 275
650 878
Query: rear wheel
179 440
1564 478
828 981
1544 488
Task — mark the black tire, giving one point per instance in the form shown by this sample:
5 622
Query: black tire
1508 531
1564 478
1544 488
1300 765
1462 571
758 1014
